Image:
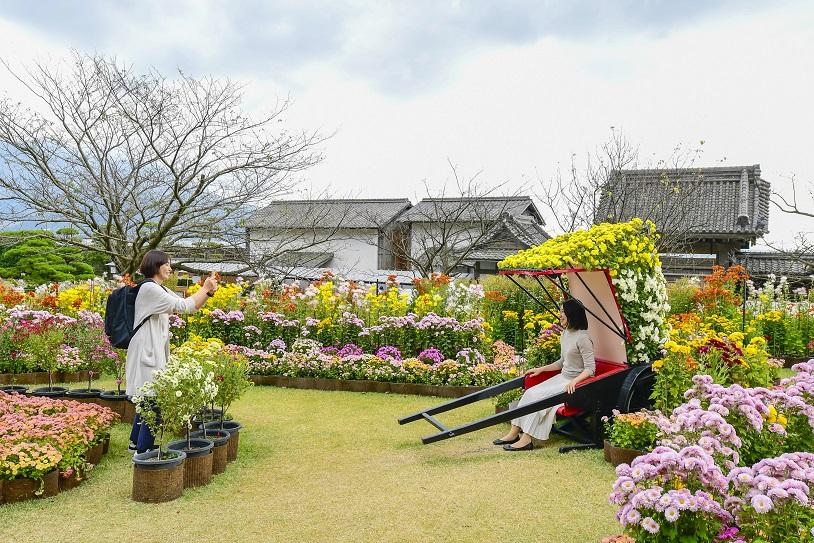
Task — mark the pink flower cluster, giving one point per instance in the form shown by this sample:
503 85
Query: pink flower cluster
773 480
227 318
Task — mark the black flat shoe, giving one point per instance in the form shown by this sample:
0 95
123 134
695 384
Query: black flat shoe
528 447
504 442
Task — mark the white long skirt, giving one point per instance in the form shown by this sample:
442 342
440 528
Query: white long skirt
538 424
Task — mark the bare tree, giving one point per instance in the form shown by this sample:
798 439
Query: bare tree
137 161
801 204
449 225
614 187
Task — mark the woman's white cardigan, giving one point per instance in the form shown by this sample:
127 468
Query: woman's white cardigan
149 349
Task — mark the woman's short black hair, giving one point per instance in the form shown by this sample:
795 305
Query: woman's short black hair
153 261
575 313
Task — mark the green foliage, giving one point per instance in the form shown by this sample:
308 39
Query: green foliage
681 295
39 259
632 431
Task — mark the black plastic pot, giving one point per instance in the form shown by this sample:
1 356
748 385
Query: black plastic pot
49 392
83 393
147 460
217 437
200 447
228 425
14 389
113 395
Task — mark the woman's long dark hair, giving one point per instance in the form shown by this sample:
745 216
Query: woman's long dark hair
575 313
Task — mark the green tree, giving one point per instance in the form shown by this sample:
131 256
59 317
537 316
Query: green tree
42 260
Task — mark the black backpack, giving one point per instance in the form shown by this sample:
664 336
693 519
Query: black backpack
120 315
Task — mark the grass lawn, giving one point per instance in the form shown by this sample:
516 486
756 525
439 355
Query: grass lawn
336 466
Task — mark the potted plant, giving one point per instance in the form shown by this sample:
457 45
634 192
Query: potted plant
53 355
29 470
629 435
194 389
116 400
12 336
158 475
95 351
232 378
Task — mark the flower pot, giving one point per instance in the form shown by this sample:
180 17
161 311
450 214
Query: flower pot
18 490
620 455
129 412
87 395
156 481
69 482
94 454
234 436
106 444
14 389
198 465
114 401
49 392
220 438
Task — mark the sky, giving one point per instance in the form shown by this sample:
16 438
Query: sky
509 91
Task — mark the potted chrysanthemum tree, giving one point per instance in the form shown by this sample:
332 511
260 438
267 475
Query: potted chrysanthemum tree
231 370
167 404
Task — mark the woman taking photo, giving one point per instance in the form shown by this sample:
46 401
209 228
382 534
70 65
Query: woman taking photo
149 348
577 364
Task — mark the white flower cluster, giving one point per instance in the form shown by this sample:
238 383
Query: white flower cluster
643 298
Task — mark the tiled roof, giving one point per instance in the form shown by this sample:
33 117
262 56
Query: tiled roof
761 264
731 201
469 209
508 236
328 213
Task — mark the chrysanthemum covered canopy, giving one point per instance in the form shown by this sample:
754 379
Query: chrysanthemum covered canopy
594 290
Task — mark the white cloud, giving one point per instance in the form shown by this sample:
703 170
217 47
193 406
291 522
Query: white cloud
407 89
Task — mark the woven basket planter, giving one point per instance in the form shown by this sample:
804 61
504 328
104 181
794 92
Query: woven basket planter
94 454
114 401
157 481
129 412
220 438
69 483
620 455
198 464
18 490
233 428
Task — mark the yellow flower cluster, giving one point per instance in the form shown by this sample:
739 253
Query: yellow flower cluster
27 460
773 417
770 316
629 245
391 300
82 296
227 297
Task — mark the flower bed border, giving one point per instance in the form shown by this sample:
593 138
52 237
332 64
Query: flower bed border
345 385
41 377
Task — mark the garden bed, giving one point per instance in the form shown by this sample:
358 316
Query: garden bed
346 385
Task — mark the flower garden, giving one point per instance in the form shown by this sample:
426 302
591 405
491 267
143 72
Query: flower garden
725 454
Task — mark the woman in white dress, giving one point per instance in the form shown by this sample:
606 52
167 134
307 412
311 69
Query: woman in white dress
149 348
576 363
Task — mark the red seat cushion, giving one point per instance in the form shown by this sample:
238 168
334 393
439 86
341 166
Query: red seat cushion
568 411
603 369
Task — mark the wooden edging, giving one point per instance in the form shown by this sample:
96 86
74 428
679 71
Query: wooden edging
317 383
41 377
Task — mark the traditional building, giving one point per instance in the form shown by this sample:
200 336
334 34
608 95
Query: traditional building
344 235
713 211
